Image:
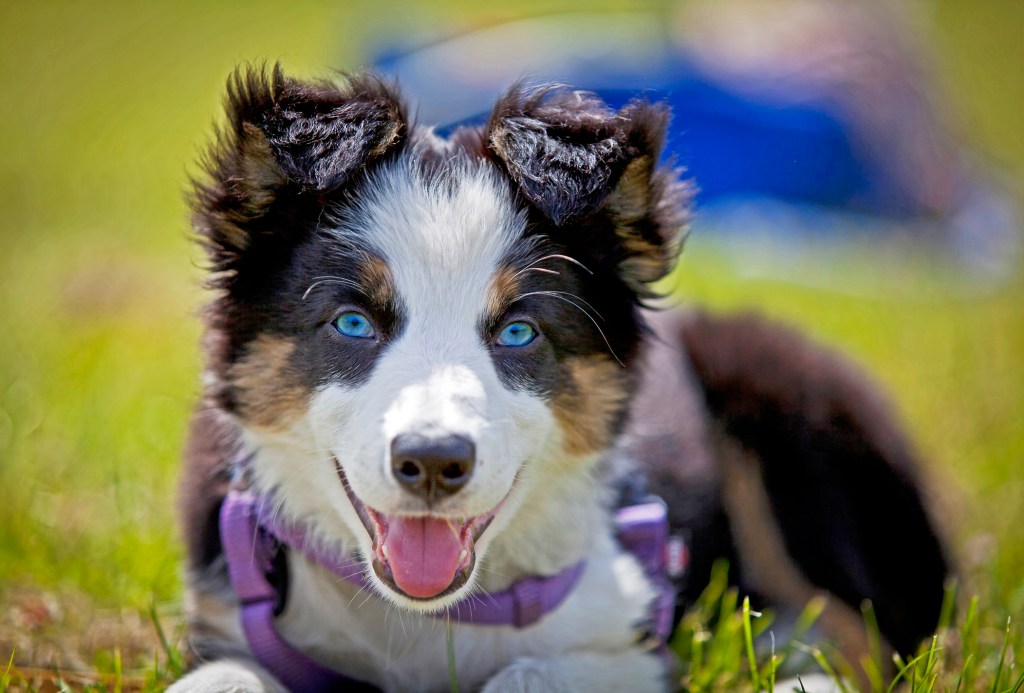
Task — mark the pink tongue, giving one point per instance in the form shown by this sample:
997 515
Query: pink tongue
423 553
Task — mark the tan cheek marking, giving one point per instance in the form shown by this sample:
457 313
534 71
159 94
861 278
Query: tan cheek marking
268 394
588 411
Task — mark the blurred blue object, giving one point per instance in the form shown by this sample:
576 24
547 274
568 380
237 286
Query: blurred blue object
730 144
842 124
736 147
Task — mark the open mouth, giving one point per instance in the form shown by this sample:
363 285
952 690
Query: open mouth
421 557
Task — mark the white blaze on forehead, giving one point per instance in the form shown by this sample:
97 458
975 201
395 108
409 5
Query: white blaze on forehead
446 395
442 236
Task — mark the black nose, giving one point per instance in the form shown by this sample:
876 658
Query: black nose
432 468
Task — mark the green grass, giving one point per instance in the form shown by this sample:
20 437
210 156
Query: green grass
105 108
719 644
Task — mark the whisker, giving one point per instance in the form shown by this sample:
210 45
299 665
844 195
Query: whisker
563 293
493 572
358 592
589 317
331 280
369 594
490 598
557 256
532 268
319 218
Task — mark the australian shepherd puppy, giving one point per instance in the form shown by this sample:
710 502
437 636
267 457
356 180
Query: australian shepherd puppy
433 355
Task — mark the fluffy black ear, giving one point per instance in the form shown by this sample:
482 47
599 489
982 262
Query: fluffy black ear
288 142
572 156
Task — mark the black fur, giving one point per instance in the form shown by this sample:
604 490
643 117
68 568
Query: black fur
321 135
287 142
840 475
593 172
566 150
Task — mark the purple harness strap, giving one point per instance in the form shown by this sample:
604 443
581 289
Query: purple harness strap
251 541
249 558
643 531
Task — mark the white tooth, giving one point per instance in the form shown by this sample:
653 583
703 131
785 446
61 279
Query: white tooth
384 552
463 556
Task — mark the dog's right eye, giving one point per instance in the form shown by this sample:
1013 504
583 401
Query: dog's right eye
353 324
517 334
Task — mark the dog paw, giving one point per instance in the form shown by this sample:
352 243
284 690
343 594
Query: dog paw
525 676
225 677
592 672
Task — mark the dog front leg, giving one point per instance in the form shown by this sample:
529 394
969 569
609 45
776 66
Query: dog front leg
582 671
228 676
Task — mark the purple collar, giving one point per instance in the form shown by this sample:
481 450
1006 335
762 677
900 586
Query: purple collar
252 543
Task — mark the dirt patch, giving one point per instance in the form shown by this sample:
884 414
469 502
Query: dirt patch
66 637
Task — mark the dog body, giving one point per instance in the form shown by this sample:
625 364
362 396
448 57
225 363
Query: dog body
432 355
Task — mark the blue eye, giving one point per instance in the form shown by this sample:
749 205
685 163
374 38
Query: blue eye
517 334
352 324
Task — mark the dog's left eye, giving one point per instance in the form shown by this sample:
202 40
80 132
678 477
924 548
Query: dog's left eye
353 324
517 334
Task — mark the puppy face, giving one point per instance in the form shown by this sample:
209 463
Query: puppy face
417 331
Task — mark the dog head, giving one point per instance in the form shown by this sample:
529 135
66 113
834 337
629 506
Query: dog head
417 334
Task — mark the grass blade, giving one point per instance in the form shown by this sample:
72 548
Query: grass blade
748 639
874 666
697 651
909 666
6 680
948 605
932 656
969 644
175 664
963 670
809 616
1002 658
823 662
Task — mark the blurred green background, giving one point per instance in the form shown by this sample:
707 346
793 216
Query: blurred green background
103 110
